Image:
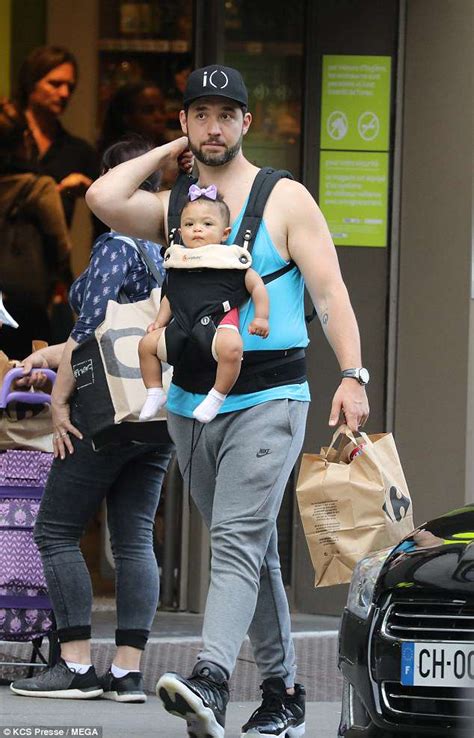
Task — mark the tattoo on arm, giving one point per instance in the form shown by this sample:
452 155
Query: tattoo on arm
325 318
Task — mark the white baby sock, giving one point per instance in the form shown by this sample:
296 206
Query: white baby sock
155 399
209 407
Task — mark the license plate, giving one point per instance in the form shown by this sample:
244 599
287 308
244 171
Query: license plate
437 664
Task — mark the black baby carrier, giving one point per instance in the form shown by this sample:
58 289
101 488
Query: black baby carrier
195 371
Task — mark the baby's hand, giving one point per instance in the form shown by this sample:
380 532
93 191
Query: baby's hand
259 327
152 327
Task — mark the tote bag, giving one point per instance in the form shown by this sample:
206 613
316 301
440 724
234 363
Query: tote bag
109 385
351 507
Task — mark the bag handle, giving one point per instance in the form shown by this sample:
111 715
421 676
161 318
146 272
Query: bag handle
346 432
148 261
31 398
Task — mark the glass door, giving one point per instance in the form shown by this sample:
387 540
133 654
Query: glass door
146 41
264 41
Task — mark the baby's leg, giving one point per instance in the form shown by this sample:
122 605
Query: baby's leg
229 349
150 367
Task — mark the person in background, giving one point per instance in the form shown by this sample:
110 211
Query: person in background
46 83
137 108
127 475
39 227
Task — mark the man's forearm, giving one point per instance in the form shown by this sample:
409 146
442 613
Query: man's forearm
340 327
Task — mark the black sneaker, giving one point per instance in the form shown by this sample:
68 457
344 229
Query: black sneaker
60 682
280 715
128 688
201 699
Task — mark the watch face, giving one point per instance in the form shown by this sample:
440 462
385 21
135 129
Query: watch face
364 376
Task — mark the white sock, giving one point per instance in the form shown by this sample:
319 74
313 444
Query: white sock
209 407
78 668
155 399
118 672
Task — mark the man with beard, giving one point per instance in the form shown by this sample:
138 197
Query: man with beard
241 461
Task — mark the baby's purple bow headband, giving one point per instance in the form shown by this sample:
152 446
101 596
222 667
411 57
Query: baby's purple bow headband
196 192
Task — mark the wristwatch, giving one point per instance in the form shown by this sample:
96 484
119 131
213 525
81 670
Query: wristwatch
361 374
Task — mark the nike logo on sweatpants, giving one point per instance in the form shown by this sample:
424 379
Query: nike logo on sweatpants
263 452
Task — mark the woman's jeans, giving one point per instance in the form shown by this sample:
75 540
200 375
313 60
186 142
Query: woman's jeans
129 477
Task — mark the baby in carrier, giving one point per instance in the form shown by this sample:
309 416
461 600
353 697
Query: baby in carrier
206 282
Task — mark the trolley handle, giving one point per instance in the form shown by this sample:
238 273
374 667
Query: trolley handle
8 395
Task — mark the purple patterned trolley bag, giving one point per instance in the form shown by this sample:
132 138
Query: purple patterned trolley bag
25 608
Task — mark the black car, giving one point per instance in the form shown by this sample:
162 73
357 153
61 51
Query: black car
406 647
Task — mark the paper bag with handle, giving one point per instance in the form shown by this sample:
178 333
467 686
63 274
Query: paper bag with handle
353 500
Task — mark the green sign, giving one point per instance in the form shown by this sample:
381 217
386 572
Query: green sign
355 113
353 195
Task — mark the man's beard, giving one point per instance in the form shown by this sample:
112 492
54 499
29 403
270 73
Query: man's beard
219 158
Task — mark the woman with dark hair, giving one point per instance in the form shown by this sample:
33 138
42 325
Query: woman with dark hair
127 475
46 82
35 243
138 108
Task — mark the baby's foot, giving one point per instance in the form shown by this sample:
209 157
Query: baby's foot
209 407
155 399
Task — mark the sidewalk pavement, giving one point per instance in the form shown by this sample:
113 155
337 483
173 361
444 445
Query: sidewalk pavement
136 721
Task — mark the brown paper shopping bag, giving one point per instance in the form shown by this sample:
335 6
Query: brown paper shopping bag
352 507
24 426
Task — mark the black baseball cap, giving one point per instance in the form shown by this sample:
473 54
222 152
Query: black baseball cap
215 80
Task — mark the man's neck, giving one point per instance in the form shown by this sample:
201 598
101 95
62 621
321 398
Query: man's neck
235 175
42 123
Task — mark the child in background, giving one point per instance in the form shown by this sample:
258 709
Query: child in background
221 281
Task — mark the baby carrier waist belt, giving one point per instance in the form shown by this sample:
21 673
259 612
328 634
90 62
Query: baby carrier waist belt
260 370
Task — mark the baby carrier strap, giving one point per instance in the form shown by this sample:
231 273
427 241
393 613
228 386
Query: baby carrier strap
178 196
262 187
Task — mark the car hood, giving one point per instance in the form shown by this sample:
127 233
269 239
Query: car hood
438 555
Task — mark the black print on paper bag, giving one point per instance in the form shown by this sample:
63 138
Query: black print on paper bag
399 503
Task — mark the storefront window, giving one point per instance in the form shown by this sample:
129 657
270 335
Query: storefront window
264 41
149 41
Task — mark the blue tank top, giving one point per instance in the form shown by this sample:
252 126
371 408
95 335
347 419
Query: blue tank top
287 328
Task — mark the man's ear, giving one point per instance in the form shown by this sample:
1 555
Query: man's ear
183 121
246 123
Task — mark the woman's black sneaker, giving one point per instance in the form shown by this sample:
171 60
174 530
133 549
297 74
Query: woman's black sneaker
280 715
201 699
60 682
128 688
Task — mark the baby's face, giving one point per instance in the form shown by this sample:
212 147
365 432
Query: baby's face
202 223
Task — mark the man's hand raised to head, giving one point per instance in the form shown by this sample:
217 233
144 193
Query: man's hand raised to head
351 402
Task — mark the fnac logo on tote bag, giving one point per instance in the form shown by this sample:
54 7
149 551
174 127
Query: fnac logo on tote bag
113 351
399 504
83 373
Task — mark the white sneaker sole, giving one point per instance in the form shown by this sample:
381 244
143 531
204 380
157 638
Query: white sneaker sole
60 694
117 697
178 700
296 732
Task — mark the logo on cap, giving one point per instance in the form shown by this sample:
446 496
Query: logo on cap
220 83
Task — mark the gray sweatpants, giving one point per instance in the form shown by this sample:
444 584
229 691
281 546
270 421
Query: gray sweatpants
239 470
